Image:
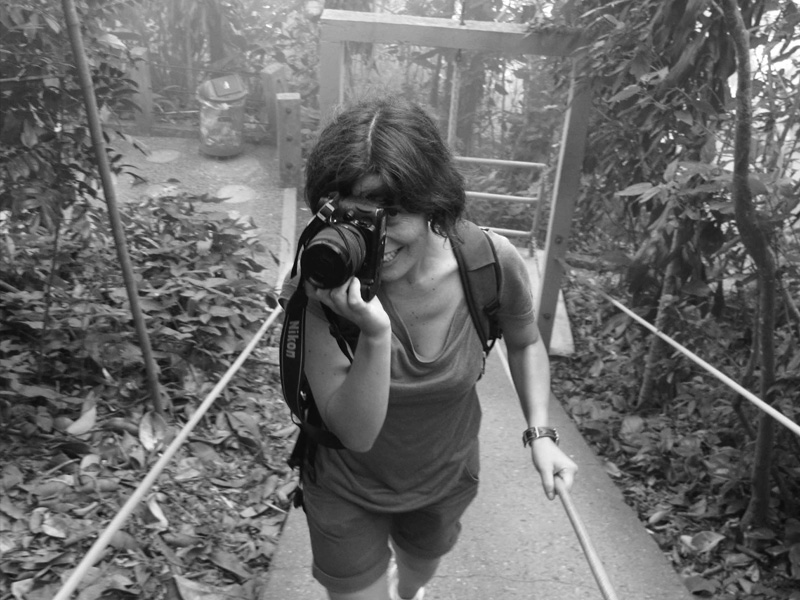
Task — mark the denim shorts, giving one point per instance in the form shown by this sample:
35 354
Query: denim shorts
351 544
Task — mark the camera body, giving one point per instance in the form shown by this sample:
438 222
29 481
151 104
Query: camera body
349 243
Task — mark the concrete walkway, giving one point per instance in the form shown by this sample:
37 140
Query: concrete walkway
515 543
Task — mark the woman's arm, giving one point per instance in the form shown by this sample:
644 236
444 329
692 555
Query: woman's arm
530 372
352 398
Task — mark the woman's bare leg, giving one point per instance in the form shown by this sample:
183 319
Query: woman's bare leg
412 572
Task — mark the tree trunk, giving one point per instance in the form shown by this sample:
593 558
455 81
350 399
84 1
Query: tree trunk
442 77
472 89
756 242
668 290
448 94
473 76
433 97
213 22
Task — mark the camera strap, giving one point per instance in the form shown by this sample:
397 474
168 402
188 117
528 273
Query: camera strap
294 385
314 226
336 326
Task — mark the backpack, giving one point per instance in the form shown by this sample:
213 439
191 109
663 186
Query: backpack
481 278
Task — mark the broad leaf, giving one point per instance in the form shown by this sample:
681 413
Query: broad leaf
85 423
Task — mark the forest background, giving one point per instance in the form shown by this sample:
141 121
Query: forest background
661 223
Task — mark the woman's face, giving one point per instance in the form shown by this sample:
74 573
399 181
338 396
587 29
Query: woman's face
407 234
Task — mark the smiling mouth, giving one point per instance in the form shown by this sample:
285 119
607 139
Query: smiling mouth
389 256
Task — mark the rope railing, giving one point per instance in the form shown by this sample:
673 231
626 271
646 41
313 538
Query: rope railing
595 564
739 389
104 539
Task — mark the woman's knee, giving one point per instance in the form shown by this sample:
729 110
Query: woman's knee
414 563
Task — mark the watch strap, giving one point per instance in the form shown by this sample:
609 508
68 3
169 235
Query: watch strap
534 433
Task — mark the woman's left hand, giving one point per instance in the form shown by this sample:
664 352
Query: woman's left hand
552 462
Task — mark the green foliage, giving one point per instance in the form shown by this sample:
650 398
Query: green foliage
199 273
65 313
659 72
46 156
289 35
189 41
658 160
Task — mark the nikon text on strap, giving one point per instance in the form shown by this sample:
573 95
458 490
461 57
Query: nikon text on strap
294 385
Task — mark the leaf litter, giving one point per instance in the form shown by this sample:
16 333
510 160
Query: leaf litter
207 529
686 478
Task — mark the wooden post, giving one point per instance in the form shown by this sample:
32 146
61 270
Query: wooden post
288 235
570 166
287 119
144 96
455 98
331 78
274 81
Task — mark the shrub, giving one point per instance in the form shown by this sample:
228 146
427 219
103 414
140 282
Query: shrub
65 313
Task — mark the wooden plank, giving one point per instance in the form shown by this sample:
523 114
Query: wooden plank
287 119
510 232
570 165
497 162
501 197
274 81
288 233
486 36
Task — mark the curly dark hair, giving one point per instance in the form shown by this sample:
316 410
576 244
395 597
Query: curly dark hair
400 143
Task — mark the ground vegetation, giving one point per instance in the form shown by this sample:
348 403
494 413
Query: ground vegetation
696 237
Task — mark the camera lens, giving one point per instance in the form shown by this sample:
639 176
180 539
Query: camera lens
333 256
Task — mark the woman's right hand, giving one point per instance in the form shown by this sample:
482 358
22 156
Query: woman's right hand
352 397
346 301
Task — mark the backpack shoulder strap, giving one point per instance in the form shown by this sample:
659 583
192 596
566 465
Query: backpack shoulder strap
481 277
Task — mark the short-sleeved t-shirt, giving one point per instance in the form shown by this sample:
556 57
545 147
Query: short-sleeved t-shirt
430 434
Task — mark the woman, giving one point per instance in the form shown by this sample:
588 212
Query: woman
406 408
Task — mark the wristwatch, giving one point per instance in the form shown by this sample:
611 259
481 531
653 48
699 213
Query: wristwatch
534 433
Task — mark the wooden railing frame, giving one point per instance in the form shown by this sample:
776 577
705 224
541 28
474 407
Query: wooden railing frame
530 234
338 27
288 136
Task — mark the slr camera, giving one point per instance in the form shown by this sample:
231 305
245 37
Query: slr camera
346 239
